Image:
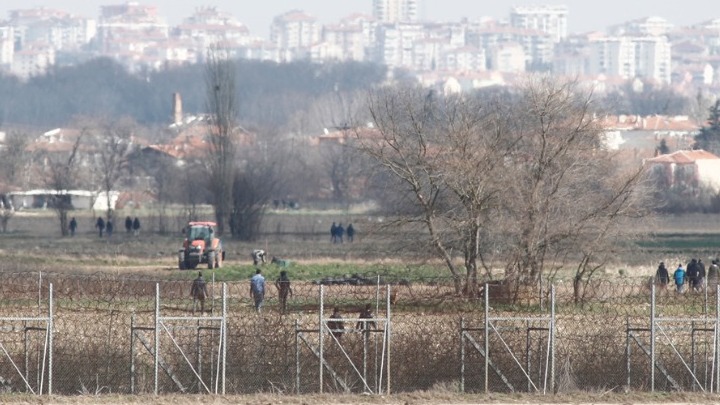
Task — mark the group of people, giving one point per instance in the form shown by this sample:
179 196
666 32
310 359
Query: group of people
198 291
336 325
337 232
693 274
257 289
107 226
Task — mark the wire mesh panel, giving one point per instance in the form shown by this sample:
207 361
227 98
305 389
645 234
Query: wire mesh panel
104 337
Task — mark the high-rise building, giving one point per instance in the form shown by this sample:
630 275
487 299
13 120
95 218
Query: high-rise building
396 10
630 57
548 19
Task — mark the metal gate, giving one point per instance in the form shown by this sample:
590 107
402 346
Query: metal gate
359 369
201 327
536 350
28 326
669 331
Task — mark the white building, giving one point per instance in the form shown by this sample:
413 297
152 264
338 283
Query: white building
394 45
294 31
7 46
551 20
391 11
652 26
32 62
507 58
631 57
209 26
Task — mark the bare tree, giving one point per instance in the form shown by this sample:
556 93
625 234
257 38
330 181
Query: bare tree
522 183
255 184
7 211
62 175
14 157
111 145
222 106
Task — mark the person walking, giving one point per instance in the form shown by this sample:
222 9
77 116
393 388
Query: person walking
109 227
662 276
692 273
257 289
350 233
136 226
700 276
128 224
72 226
100 225
679 277
340 232
366 313
284 290
333 233
713 272
336 324
198 292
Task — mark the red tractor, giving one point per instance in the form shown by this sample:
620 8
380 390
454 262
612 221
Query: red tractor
200 246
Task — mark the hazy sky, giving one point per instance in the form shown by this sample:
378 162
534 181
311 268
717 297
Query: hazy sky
584 15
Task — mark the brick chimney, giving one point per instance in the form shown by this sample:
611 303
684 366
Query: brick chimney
177 109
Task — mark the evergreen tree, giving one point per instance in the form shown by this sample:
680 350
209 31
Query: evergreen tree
663 148
709 136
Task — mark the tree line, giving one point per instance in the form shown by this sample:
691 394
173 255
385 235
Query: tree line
268 93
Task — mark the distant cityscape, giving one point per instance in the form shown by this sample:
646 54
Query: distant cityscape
473 53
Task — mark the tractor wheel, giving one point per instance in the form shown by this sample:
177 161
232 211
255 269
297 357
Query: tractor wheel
211 260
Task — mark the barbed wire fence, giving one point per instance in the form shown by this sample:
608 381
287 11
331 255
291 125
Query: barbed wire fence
597 337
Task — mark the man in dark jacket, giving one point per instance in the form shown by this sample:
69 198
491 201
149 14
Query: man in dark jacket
100 225
661 275
128 224
198 292
693 273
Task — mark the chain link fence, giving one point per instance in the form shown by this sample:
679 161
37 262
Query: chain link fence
591 336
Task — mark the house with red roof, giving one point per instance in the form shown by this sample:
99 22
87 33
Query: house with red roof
691 169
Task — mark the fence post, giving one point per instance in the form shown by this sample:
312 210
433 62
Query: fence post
627 350
717 338
297 358
50 338
387 345
157 336
552 337
321 330
487 336
462 354
132 353
652 338
224 336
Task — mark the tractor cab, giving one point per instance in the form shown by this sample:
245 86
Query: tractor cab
198 232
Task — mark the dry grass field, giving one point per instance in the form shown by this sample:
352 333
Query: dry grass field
100 282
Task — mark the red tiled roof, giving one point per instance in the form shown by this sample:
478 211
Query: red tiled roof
683 157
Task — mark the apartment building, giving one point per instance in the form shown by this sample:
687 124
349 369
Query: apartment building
32 62
209 26
130 27
394 46
392 11
552 20
631 57
7 46
294 32
652 26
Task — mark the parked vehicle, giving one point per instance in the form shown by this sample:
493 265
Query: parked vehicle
201 246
